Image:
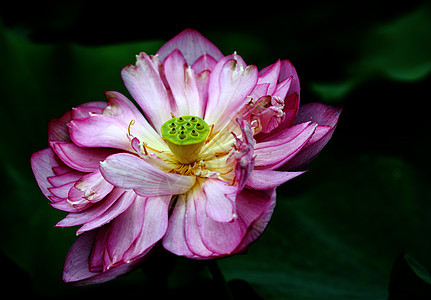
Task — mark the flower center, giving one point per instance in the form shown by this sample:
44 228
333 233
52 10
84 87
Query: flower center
185 136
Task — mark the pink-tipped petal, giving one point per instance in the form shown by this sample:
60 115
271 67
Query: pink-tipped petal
175 238
268 179
211 231
256 210
192 234
80 158
42 164
327 118
119 206
65 178
131 172
244 153
145 85
100 131
288 70
284 146
230 83
270 75
77 266
57 128
154 226
204 63
91 213
220 205
181 80
192 45
125 229
90 188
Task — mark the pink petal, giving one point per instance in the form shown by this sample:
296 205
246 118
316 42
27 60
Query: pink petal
192 45
57 128
283 88
61 191
131 172
91 213
123 109
79 158
125 229
221 238
282 147
65 178
100 131
230 83
256 210
288 70
119 206
145 85
202 83
270 75
320 113
181 80
90 188
268 179
192 234
154 226
42 164
205 62
220 203
77 266
327 118
175 238
244 153
87 109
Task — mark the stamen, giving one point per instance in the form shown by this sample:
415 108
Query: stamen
132 122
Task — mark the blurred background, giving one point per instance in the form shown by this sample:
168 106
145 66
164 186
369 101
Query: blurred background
356 226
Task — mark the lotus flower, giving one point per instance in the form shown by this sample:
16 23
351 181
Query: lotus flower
197 172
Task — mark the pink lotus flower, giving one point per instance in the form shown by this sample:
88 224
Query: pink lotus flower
198 173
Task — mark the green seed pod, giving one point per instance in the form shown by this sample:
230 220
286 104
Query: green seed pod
185 136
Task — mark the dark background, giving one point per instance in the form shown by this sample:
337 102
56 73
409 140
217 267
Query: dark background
340 231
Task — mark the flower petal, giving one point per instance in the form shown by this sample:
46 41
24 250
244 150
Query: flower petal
256 209
145 85
123 109
220 204
80 158
282 147
125 229
192 234
90 188
175 238
100 131
230 83
57 128
42 164
154 226
131 172
119 206
181 80
91 213
221 238
327 118
205 62
270 75
288 70
192 45
77 266
268 179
